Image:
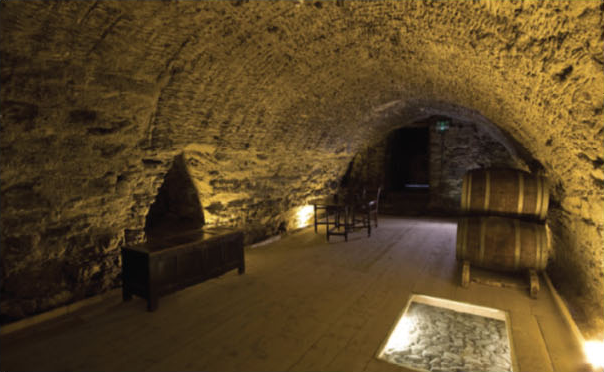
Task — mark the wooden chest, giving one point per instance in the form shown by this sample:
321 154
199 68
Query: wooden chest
165 265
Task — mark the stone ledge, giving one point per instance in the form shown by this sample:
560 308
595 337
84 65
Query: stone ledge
60 311
564 311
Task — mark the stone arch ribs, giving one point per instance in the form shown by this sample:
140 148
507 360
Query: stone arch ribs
177 205
260 84
396 114
473 141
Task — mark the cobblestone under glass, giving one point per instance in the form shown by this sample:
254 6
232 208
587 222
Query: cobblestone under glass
438 339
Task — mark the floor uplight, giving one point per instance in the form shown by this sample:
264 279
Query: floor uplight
594 351
304 215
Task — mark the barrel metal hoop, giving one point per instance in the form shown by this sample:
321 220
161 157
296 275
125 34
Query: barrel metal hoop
487 190
483 233
516 244
539 197
520 192
537 246
544 199
544 249
459 239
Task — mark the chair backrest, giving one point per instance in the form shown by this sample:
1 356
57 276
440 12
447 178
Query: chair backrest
355 194
361 195
377 198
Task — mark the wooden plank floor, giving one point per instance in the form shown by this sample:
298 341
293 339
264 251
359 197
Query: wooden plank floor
303 305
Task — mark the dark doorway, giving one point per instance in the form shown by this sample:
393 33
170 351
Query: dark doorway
407 159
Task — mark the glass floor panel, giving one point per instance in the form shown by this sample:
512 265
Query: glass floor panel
439 335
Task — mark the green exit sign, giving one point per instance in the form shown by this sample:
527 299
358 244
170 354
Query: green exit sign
442 125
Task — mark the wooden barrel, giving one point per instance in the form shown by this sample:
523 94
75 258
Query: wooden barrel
501 243
506 192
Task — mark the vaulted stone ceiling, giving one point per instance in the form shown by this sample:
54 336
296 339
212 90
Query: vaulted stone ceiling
269 101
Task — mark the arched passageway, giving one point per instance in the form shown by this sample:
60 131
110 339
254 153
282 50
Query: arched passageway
270 101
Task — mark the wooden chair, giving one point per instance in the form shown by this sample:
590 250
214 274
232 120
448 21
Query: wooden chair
322 204
339 212
336 215
366 209
373 210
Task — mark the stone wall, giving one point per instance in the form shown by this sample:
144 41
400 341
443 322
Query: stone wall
269 101
462 147
368 167
251 189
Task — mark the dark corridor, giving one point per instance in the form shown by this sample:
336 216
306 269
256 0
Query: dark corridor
407 159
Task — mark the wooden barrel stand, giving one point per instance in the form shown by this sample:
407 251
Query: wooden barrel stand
502 244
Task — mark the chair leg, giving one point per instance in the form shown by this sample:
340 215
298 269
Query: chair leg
346 225
327 223
315 210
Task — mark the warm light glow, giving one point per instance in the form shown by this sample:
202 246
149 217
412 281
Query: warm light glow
594 351
400 337
304 216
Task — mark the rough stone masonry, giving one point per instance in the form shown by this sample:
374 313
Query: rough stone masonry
268 102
